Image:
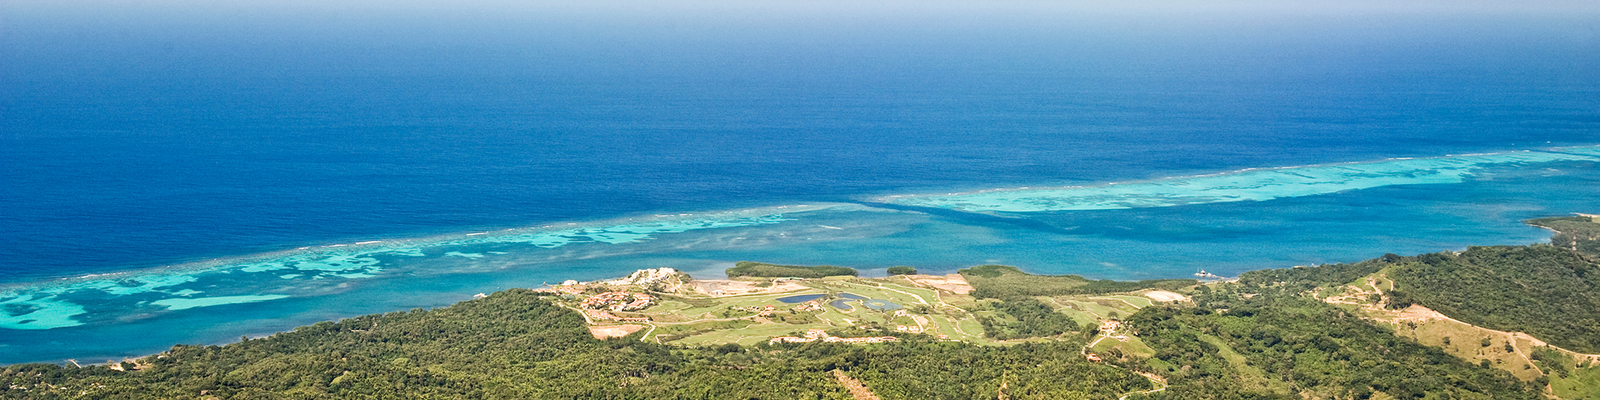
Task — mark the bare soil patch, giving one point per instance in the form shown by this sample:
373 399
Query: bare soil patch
728 287
1165 296
953 283
611 331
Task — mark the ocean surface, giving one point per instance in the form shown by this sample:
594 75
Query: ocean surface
194 173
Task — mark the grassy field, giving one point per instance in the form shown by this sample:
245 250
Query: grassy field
719 320
1133 346
1466 342
1462 340
704 320
1580 384
750 335
1089 310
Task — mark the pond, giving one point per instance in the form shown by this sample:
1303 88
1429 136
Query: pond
848 296
841 304
800 299
880 305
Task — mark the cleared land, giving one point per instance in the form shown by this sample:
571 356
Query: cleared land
611 331
750 310
1509 351
1165 296
952 283
960 307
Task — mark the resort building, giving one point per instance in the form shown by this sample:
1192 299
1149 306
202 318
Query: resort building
809 306
618 301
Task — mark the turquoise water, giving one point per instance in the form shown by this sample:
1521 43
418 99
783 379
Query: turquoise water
1225 223
1249 185
309 271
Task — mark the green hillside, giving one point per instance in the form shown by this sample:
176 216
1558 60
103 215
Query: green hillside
516 345
1546 291
1284 346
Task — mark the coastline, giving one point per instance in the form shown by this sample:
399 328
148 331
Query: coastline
353 271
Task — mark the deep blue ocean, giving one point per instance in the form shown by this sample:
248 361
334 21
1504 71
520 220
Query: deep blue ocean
185 172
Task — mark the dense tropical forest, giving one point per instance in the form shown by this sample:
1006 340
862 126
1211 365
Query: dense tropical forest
1580 234
764 270
1028 317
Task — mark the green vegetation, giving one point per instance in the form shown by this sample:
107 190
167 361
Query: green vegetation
1581 234
515 344
1301 279
1581 384
1028 317
1044 371
1549 292
764 270
1004 281
1553 362
902 270
1300 346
